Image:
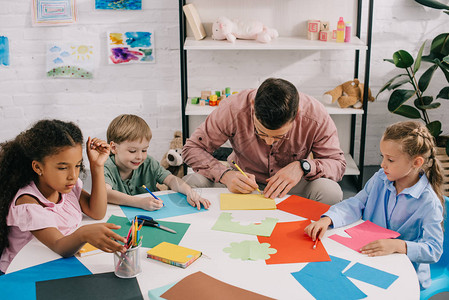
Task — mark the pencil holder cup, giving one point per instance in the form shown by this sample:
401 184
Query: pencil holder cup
127 265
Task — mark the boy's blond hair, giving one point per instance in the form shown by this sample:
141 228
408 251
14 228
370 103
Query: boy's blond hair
128 128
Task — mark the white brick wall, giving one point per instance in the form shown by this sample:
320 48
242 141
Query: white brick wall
152 91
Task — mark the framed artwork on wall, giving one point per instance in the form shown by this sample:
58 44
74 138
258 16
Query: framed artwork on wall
128 47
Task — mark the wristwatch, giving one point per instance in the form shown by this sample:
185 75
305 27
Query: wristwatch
305 166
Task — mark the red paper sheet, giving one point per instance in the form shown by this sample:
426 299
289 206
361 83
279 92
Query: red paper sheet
303 207
293 245
364 234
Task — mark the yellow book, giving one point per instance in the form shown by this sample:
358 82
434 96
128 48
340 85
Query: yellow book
173 254
88 249
194 21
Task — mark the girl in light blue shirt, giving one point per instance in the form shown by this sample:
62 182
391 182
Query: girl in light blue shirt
404 196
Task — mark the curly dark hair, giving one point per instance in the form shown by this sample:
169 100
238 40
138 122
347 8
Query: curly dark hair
44 138
276 103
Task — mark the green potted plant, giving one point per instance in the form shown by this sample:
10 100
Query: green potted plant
410 88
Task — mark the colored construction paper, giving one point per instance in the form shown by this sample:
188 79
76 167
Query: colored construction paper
333 285
245 201
175 205
22 284
96 286
371 275
200 286
155 294
293 245
335 265
303 207
364 234
152 236
264 228
249 250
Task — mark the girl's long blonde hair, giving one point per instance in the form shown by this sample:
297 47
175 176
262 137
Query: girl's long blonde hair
416 140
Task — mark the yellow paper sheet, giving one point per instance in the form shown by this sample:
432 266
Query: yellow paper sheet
245 201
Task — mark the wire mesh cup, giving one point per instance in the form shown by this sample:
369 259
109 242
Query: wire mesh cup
127 265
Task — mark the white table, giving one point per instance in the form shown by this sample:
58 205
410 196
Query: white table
270 280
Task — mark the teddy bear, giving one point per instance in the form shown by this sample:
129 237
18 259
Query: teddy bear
172 160
223 28
348 94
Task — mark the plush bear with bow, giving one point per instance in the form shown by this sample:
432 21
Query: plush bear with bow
348 94
225 29
172 160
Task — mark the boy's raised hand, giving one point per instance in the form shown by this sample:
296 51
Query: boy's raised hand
318 229
97 151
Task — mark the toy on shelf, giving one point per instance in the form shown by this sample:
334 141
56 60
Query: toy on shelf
313 29
325 33
207 98
225 29
340 30
348 94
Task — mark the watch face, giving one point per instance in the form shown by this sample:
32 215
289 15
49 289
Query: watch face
305 165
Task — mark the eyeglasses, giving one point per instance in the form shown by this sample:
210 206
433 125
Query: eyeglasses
266 136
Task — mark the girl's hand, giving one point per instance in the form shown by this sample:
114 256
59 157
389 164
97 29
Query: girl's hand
101 236
317 229
196 200
148 203
384 247
97 151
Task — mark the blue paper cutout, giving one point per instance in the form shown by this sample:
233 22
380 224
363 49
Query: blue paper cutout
155 294
22 284
371 275
175 205
324 280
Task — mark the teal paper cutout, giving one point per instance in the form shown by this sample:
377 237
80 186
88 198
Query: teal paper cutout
225 223
250 250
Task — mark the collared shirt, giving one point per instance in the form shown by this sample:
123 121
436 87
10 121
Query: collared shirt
416 213
313 131
146 174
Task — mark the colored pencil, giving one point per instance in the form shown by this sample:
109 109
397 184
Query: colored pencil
241 171
154 196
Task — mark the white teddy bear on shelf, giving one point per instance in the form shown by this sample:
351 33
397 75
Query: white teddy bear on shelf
224 28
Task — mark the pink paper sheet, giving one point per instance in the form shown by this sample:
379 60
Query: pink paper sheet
363 234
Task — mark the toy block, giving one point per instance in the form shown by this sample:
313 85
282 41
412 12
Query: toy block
202 102
205 94
227 90
213 102
207 101
324 26
213 98
334 34
313 29
218 93
195 100
325 36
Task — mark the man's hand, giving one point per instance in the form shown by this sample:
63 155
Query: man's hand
236 182
283 181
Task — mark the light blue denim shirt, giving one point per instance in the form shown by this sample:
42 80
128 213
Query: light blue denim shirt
416 213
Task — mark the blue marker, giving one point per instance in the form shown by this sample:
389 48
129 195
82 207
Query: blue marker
154 196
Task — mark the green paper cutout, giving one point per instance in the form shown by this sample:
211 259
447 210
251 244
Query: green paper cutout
250 250
152 236
225 223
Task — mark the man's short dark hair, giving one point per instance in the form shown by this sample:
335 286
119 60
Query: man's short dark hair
276 103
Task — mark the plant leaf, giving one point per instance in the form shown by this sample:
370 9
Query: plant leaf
424 81
444 93
418 58
434 128
399 83
388 84
440 46
430 106
432 4
402 59
389 60
443 68
408 111
426 100
447 145
398 97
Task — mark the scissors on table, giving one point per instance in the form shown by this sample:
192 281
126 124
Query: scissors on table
149 221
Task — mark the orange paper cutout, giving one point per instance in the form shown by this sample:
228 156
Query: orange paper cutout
293 245
303 207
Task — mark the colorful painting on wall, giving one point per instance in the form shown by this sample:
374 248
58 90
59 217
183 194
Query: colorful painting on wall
4 51
53 12
119 4
68 60
131 47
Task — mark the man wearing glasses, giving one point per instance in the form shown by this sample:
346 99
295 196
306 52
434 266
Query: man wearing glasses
272 131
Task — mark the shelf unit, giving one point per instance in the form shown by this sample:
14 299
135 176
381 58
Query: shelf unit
288 43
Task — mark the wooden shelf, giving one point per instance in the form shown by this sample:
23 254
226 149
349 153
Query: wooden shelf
197 110
281 43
